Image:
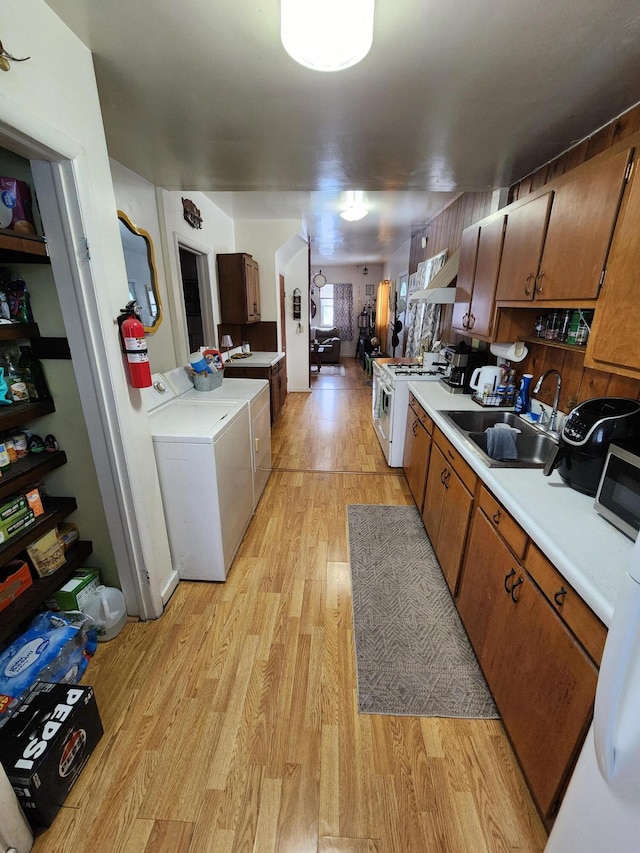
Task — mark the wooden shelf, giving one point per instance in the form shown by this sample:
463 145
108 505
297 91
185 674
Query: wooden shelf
18 331
22 248
26 471
19 414
41 589
55 510
555 344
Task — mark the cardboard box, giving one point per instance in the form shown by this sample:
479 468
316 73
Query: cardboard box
34 501
15 577
46 744
46 554
16 524
9 508
77 590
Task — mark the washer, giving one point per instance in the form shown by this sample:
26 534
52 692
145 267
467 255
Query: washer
257 393
203 455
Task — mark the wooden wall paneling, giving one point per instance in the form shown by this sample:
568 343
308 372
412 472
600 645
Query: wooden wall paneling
524 187
626 125
557 167
623 386
540 177
594 384
543 358
572 373
577 155
599 141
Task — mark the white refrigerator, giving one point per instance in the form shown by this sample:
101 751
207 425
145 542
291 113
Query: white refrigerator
601 809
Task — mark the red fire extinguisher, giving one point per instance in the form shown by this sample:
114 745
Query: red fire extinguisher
134 345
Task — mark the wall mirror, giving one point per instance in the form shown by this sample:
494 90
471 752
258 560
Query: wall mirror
141 272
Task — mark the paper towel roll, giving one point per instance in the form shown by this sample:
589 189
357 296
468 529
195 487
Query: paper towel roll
516 351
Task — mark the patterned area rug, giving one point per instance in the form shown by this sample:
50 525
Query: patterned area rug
332 370
413 656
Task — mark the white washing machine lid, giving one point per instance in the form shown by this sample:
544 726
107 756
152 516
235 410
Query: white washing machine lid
231 389
188 422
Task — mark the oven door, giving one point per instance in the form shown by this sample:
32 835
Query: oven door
618 495
382 411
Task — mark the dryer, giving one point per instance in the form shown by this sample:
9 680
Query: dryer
257 393
203 456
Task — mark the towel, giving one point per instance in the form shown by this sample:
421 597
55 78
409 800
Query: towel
501 443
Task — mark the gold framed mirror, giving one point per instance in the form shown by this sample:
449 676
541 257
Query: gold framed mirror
142 275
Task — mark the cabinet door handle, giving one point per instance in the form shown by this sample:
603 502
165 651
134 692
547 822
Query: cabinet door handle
465 321
538 286
527 289
506 580
447 477
559 596
442 473
513 588
497 516
415 428
472 322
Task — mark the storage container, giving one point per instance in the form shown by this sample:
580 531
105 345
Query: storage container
107 608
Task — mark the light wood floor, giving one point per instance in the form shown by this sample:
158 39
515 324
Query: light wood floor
231 722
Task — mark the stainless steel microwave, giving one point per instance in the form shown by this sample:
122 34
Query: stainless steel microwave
618 495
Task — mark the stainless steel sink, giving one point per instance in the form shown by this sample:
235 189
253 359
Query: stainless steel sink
534 445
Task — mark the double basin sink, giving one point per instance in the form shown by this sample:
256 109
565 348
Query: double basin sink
533 445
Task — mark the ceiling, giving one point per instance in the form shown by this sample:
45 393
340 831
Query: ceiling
462 95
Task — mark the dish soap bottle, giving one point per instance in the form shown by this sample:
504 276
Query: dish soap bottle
522 399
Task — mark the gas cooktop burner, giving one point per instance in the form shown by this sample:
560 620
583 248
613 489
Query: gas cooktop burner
415 371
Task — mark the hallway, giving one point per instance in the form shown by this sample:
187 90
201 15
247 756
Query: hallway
231 723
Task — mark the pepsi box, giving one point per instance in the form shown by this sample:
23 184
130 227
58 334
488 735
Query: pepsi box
45 745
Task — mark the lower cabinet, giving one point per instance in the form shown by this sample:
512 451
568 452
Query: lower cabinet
277 376
448 502
417 446
541 678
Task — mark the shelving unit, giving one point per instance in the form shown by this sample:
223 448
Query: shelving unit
554 344
20 249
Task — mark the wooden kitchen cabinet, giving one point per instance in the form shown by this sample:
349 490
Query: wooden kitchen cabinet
448 503
466 275
556 245
478 318
542 680
239 288
417 447
276 374
612 344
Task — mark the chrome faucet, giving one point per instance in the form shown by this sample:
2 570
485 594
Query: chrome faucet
556 399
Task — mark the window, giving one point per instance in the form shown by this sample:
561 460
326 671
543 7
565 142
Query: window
326 306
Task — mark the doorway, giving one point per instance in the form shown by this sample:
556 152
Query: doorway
191 297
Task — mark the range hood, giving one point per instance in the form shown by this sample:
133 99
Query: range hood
438 290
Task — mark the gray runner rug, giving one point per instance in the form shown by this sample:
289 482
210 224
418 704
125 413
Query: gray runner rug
413 656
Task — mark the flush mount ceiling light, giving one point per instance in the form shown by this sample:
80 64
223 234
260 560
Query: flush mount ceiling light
327 35
355 208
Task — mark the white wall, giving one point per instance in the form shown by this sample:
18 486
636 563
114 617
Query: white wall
294 259
51 102
216 235
398 262
137 198
352 274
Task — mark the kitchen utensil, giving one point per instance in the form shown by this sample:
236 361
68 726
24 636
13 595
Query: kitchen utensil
487 375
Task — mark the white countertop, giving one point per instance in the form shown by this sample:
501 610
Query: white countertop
257 359
588 551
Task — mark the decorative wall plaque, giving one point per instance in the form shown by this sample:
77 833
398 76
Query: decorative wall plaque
191 213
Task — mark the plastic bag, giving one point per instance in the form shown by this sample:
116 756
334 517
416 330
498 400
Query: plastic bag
55 647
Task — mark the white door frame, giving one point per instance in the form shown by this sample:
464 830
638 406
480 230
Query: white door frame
180 241
55 166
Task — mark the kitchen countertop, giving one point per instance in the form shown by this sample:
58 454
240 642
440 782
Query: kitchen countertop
588 551
257 359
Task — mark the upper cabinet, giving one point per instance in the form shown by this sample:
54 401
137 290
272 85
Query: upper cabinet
617 318
556 245
476 303
239 286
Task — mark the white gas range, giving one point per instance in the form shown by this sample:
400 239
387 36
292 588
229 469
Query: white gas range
391 401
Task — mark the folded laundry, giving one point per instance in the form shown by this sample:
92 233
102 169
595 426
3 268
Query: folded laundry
501 443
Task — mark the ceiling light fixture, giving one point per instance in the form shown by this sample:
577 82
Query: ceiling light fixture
327 35
355 208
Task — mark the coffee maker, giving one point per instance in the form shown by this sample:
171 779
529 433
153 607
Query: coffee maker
460 362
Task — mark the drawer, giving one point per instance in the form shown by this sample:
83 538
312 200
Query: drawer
452 456
509 530
420 413
582 621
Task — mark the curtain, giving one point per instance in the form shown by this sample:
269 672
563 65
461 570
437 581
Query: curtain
382 313
343 310
423 319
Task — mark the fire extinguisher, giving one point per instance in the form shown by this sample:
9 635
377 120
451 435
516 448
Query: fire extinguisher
134 345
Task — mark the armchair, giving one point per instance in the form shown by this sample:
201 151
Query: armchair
329 338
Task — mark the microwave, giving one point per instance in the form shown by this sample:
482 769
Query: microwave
618 495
